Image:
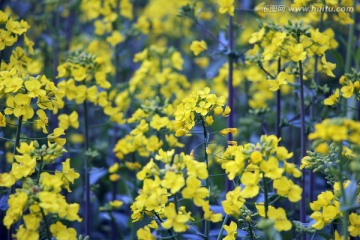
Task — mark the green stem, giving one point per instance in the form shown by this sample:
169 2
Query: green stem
40 169
349 42
342 190
47 227
349 53
207 223
302 141
86 184
222 227
266 197
18 132
17 142
251 230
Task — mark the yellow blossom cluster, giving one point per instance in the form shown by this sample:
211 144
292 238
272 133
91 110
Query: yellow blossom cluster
279 43
350 86
326 208
200 105
183 176
258 164
85 79
337 130
30 99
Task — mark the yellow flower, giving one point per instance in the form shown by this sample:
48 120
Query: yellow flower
17 203
158 122
282 79
227 6
78 72
2 120
202 62
143 25
61 232
67 175
337 236
24 233
328 214
228 130
126 9
271 168
323 199
209 120
281 221
285 187
19 106
333 99
114 177
354 228
231 230
32 222
17 27
66 121
233 202
251 181
194 191
226 112
172 181
234 161
177 61
322 148
256 157
42 121
51 182
260 207
328 67
145 234
24 166
209 214
347 90
290 168
282 153
116 204
297 52
165 157
218 110
34 88
70 212
195 168
114 168
174 219
7 180
55 136
198 46
115 38
257 36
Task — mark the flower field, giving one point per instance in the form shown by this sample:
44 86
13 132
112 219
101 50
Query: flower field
179 119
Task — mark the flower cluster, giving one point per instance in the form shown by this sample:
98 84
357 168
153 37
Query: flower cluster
181 175
350 86
200 105
256 165
35 195
40 197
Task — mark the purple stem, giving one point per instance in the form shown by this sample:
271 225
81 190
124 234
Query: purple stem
230 122
278 105
86 184
302 146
